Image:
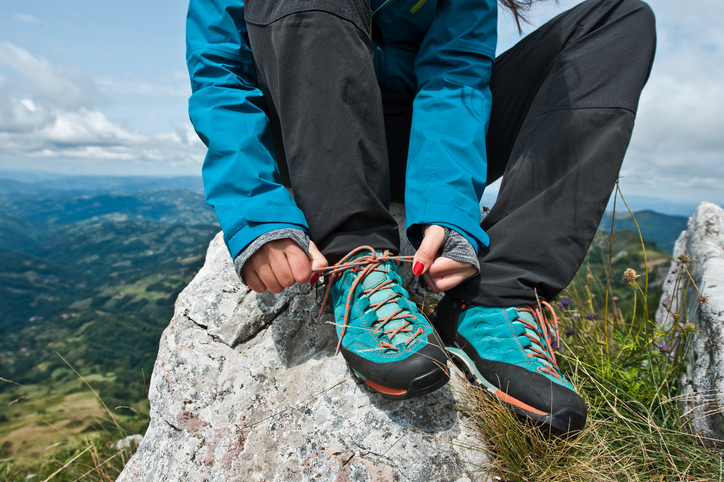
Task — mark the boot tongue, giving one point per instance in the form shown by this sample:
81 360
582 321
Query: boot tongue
376 277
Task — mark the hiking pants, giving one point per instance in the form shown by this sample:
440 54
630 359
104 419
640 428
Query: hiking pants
564 102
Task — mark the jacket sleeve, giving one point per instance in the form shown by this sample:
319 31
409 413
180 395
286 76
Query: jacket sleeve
240 173
447 168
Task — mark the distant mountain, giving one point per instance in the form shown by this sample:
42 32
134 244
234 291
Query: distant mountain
660 205
661 229
98 293
93 273
21 181
29 210
17 232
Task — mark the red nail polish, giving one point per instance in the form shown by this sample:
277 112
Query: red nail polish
418 268
314 279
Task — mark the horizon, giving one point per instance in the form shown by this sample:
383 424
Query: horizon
638 203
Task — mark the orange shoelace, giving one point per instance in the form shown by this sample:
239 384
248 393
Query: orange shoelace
363 266
542 346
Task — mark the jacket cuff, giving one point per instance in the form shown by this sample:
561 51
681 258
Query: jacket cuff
296 235
457 247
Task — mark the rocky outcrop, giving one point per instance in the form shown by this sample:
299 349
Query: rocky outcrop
703 242
246 387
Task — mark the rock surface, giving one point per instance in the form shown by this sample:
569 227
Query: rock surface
246 387
703 241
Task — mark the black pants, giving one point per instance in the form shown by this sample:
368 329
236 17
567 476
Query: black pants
564 102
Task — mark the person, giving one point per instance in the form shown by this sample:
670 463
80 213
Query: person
354 104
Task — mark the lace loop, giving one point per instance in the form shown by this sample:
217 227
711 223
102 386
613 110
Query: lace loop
544 338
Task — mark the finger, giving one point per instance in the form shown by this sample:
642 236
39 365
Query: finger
252 281
266 275
431 244
446 266
449 282
300 266
430 283
283 273
316 257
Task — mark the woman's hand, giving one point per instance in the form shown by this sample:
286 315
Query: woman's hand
280 264
440 274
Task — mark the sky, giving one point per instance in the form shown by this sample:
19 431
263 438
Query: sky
101 87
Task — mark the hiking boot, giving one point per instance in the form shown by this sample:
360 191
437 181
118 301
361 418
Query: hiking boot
389 345
508 352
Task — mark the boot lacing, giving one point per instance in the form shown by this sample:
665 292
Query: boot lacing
547 335
364 265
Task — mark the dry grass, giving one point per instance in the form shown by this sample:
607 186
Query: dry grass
629 371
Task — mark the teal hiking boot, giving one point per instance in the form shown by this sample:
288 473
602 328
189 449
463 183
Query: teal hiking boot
389 345
509 353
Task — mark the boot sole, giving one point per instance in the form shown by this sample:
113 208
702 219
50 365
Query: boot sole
558 422
418 387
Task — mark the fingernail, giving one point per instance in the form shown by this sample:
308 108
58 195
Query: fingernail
314 279
418 268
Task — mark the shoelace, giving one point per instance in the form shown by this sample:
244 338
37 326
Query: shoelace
542 346
365 265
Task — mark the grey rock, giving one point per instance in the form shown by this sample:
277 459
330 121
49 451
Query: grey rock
246 387
703 241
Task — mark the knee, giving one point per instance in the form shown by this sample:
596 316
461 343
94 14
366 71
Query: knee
641 19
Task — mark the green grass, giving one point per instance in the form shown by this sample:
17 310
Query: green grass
629 372
67 432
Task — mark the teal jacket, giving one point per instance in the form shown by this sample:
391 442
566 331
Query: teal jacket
442 52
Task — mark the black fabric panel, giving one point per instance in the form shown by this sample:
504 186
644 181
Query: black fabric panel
265 12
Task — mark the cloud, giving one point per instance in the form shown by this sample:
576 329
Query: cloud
52 113
175 85
24 17
65 87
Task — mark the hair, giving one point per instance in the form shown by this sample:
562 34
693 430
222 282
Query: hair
519 9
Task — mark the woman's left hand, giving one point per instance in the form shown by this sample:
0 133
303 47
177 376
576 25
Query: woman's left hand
440 274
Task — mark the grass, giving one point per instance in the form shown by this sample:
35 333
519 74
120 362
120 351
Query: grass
68 435
629 371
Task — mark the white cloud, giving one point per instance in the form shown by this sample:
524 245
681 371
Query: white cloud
24 17
65 87
177 85
51 113
86 127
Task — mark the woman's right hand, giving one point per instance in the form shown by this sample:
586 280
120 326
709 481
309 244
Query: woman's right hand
279 264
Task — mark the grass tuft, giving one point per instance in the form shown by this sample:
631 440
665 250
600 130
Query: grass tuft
629 371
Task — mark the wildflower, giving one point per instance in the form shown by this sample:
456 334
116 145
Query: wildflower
570 332
684 258
702 299
577 315
564 304
664 348
591 316
630 274
690 327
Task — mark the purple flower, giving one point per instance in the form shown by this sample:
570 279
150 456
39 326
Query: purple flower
664 348
564 304
591 316
571 332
